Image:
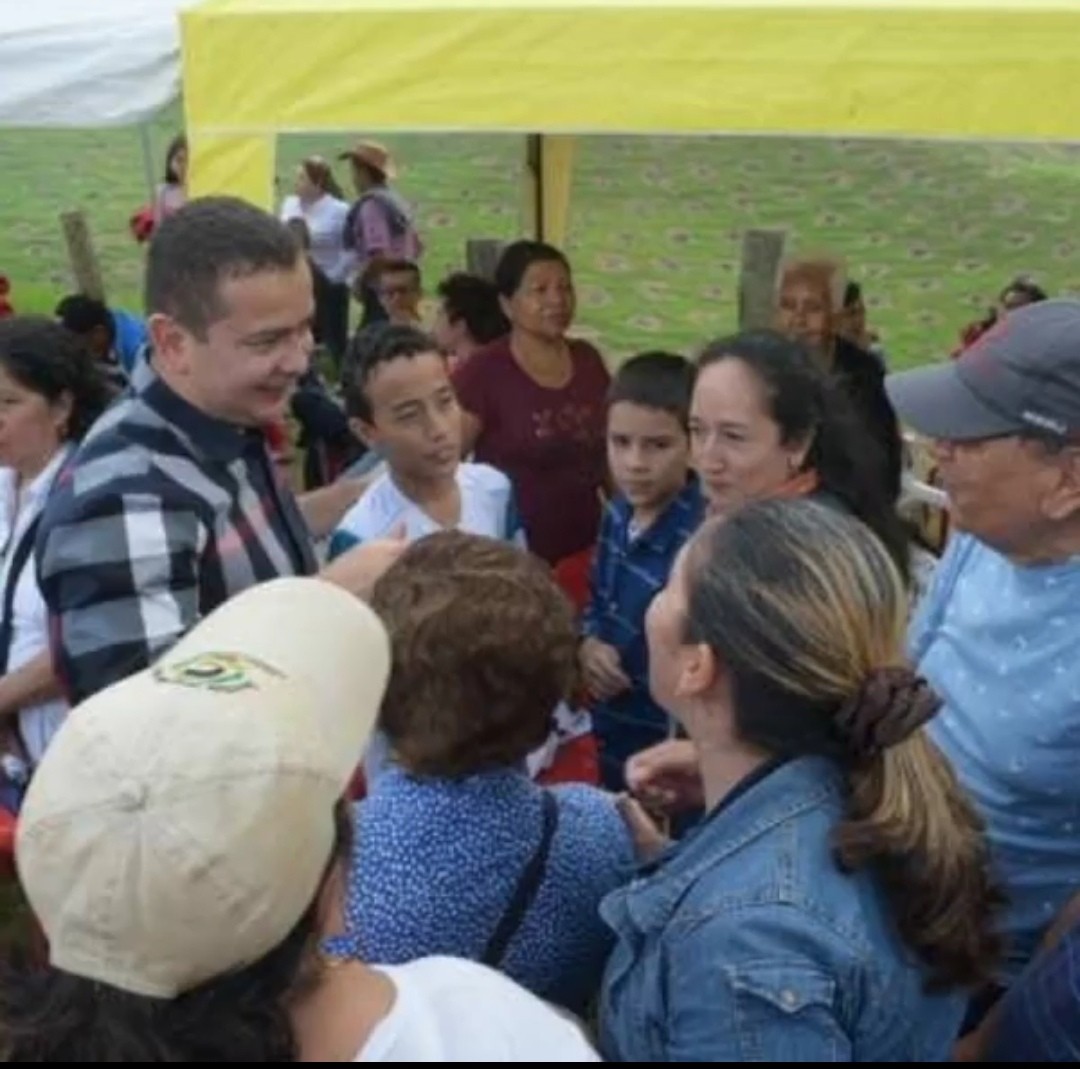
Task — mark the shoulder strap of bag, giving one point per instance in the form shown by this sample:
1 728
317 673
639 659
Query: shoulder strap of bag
20 555
527 887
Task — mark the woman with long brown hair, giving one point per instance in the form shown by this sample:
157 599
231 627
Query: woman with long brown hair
835 903
171 195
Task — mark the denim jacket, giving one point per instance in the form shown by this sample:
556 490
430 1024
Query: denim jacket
747 943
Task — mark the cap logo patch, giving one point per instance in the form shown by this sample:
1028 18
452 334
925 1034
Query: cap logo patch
1045 423
223 673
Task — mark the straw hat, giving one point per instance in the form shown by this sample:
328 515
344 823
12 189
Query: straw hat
373 155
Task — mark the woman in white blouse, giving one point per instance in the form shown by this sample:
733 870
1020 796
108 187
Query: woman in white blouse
320 204
51 392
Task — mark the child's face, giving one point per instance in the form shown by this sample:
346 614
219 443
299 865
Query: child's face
648 453
415 418
399 293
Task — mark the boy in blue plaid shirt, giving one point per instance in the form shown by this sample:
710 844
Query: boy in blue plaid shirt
658 506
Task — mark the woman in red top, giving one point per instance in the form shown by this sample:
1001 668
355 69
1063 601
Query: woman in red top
535 404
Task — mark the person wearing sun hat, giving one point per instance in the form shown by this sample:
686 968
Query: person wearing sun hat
380 226
182 846
996 633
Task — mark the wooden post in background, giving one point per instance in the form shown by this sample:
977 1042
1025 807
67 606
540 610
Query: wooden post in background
482 257
84 262
762 253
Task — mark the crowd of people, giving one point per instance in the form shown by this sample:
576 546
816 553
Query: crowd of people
578 714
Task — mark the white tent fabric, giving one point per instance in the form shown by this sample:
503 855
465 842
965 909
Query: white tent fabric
87 62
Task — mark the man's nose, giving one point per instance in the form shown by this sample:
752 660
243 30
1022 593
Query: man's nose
298 357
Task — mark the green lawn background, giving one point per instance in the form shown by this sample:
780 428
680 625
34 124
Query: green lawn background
932 230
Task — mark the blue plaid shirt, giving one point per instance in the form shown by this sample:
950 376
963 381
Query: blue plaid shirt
627 574
163 514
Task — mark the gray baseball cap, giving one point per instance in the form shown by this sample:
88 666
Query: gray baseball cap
1021 377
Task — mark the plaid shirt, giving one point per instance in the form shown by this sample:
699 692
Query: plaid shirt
628 572
164 513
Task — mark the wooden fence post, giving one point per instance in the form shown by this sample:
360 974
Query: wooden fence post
762 253
482 256
84 262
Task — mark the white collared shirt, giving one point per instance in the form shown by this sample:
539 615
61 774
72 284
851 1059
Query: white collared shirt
30 630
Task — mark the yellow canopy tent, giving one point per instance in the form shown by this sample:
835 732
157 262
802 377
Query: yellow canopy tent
894 68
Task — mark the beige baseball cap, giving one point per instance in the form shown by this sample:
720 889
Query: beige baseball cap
182 820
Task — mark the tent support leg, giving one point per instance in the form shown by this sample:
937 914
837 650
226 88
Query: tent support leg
148 160
534 161
549 163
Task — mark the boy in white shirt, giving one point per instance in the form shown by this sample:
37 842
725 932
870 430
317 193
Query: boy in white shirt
401 402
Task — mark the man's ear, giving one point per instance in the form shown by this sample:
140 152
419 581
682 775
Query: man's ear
1062 501
170 344
366 432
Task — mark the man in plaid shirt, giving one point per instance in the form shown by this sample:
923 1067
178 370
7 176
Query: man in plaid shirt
173 505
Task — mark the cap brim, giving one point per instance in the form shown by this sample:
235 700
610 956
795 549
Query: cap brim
935 402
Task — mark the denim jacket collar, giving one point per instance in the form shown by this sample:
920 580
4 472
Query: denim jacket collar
790 790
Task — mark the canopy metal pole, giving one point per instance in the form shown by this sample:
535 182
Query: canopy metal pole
149 167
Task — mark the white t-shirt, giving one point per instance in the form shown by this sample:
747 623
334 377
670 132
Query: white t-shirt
458 1011
325 220
487 508
30 618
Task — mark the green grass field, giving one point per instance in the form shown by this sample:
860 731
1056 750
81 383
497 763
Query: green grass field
933 230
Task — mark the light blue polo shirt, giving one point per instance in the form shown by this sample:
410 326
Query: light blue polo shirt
1000 643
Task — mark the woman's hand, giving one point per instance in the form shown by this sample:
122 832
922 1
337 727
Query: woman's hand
649 840
667 777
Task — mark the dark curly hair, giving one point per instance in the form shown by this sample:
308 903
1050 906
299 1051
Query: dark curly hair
45 358
484 648
476 301
371 347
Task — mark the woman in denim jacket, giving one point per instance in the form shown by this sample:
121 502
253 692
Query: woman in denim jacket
834 904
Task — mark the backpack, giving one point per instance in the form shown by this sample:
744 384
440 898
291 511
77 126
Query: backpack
393 207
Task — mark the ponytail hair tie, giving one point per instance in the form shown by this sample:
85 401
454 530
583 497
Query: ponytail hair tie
890 706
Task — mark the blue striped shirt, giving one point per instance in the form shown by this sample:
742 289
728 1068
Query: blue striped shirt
628 572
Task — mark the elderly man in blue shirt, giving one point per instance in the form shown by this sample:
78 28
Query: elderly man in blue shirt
997 632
